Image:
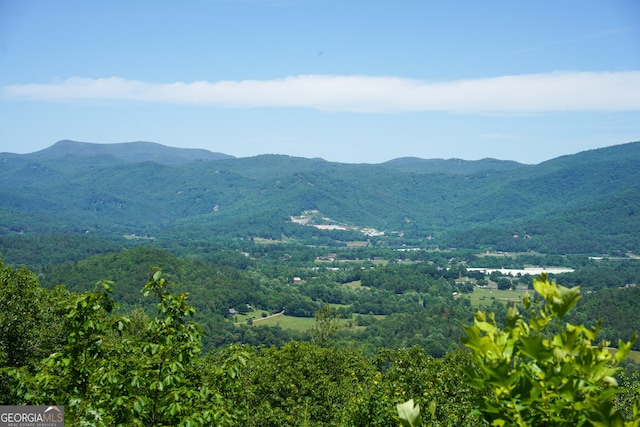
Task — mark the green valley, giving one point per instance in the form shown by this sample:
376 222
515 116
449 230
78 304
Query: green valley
584 203
145 285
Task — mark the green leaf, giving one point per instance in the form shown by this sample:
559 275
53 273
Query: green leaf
567 298
526 300
409 414
512 316
625 348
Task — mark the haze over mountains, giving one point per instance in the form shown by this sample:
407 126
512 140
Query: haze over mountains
138 151
588 202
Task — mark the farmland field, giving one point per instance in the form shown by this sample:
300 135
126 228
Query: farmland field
482 296
288 322
285 322
294 323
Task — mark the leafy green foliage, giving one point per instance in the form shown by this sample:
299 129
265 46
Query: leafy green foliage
303 384
433 383
213 289
29 326
617 309
38 251
68 374
409 414
325 328
108 372
627 399
136 367
23 309
542 371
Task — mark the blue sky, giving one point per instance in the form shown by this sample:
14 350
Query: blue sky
345 80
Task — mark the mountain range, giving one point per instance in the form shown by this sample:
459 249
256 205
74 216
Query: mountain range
588 202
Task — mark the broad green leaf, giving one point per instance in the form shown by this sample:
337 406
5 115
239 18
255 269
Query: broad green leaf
624 348
409 414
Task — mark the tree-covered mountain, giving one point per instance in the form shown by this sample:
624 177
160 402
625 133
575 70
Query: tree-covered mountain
131 366
582 203
387 322
455 166
130 152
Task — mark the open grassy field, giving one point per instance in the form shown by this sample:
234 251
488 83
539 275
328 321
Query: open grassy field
486 296
303 323
634 355
355 284
358 244
253 314
295 323
282 320
288 322
262 241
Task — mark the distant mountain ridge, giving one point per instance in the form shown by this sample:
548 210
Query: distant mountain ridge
588 202
140 151
418 165
133 152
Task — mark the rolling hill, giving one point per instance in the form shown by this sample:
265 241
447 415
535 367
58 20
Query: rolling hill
588 202
130 152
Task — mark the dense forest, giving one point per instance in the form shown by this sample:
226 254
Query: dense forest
146 365
145 285
385 290
582 203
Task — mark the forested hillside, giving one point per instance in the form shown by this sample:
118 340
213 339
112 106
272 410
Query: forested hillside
584 203
384 298
287 291
131 152
132 366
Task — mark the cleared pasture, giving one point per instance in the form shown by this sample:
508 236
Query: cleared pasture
282 320
482 297
295 323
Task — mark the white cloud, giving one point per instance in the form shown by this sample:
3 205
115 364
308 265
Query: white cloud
557 91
